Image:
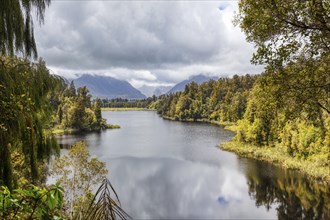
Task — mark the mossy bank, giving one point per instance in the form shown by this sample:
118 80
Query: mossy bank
315 167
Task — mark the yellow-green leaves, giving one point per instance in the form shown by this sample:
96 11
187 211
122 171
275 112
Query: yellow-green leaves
79 174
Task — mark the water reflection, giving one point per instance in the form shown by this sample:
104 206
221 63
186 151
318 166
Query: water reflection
163 188
172 170
294 196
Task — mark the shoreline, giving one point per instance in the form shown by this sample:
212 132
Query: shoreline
273 155
125 109
279 158
225 125
67 131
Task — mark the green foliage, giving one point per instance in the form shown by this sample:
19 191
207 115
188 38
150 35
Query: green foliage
291 108
301 139
31 202
77 111
284 30
16 25
79 174
224 100
290 104
25 91
317 166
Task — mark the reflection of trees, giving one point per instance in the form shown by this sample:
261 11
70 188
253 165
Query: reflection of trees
294 196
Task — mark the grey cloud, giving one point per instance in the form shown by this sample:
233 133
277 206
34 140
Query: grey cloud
167 38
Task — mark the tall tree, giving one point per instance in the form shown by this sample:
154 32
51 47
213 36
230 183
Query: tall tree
283 30
16 26
98 112
25 90
72 90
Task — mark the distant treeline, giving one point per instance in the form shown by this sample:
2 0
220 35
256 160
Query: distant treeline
126 103
224 100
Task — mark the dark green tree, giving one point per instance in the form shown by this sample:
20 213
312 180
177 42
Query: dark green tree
25 89
97 112
72 90
16 26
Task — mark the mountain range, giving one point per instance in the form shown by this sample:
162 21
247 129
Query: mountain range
108 87
154 90
199 79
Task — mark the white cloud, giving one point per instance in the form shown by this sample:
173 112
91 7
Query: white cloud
144 42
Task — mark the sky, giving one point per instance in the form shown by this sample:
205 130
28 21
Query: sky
153 43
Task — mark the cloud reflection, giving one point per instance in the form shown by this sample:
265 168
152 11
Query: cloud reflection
166 188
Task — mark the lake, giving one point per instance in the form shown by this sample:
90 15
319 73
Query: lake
165 169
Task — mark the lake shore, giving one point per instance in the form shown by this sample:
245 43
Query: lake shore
314 167
125 109
277 155
65 131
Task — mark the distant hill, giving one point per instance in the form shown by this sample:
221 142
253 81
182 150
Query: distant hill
108 87
162 90
199 79
154 90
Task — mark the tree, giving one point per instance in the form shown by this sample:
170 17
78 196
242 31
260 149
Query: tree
79 174
16 25
25 90
97 112
284 30
84 97
293 39
72 90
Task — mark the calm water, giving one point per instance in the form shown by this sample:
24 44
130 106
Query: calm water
174 170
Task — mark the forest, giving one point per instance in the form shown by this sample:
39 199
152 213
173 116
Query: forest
286 109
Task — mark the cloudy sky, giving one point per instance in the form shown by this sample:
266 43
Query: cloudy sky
144 42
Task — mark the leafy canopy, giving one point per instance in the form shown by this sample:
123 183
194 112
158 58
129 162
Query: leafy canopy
284 30
16 25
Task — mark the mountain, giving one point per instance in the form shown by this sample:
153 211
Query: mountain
108 87
154 90
199 79
162 90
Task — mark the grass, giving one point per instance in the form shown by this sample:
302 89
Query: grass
63 131
110 126
226 124
124 109
60 131
277 155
